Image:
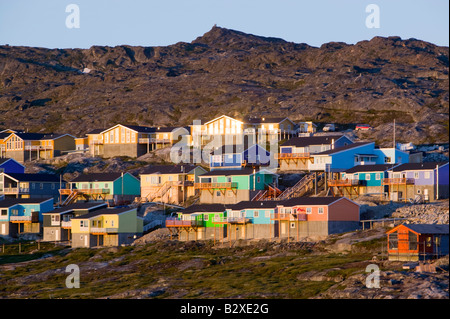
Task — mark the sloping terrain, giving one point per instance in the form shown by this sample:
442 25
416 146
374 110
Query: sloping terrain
230 72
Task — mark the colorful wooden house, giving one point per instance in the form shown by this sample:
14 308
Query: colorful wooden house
95 142
296 154
115 187
197 222
38 185
307 127
23 215
233 186
223 130
10 165
239 156
360 153
418 181
169 183
134 140
57 223
361 179
34 146
106 227
297 218
269 128
414 242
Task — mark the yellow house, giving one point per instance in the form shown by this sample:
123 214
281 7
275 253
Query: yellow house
81 144
169 183
106 227
224 129
134 141
31 146
279 128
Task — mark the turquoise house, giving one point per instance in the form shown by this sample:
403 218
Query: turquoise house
107 186
233 186
23 215
365 179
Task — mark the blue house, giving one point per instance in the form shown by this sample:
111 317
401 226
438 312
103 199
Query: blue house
296 153
10 165
238 156
40 185
361 153
23 215
361 179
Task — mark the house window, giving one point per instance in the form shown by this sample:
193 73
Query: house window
378 176
292 225
255 214
387 159
206 218
258 179
218 193
320 210
55 218
416 175
267 214
367 177
41 186
4 212
427 175
308 210
393 241
412 241
106 185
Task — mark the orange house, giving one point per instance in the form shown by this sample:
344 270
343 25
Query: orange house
415 242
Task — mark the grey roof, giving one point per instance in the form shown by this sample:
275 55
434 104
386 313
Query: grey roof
8 202
429 228
97 177
77 206
303 141
418 166
38 177
262 120
205 208
343 148
95 131
256 204
231 172
168 169
104 211
310 201
370 168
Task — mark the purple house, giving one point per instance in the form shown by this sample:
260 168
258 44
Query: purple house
418 181
10 165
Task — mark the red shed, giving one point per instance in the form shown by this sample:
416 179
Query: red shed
408 242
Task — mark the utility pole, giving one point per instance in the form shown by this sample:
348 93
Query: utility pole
394 136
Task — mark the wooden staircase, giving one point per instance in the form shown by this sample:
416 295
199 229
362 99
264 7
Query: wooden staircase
302 186
71 198
162 190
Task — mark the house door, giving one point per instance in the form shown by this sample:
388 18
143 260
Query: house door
403 241
425 194
57 234
86 239
3 229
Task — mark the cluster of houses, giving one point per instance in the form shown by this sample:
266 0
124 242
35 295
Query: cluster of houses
239 195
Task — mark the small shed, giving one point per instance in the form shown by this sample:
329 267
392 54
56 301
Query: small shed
413 242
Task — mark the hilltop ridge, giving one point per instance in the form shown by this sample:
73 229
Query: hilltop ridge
229 72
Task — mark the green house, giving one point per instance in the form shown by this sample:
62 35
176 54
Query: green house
201 221
107 186
233 186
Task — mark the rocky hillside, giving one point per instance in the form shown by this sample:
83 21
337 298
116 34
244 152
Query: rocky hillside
230 72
